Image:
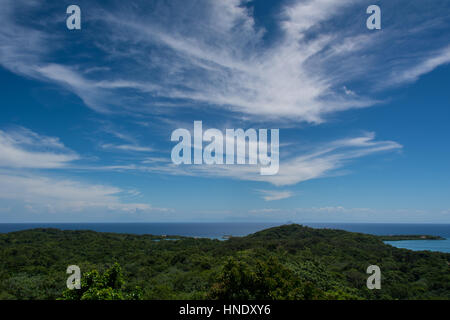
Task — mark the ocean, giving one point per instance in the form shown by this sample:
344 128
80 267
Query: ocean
218 230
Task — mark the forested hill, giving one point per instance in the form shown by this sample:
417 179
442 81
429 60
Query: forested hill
286 262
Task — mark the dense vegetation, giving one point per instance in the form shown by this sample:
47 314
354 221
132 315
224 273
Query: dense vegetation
287 262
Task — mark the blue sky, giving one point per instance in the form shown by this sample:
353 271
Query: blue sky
86 115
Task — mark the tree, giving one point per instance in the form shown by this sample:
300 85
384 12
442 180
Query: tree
269 281
106 286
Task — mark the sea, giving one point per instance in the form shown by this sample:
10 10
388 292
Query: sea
223 230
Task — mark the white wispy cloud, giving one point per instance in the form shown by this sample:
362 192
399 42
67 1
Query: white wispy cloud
429 64
265 211
23 148
272 195
222 67
324 160
55 195
126 147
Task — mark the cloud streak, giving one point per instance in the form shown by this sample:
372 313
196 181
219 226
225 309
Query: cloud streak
126 147
23 148
272 195
44 194
294 169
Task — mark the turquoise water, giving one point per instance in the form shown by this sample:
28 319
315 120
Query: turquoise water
419 245
218 230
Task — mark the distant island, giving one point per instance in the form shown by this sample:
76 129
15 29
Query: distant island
285 262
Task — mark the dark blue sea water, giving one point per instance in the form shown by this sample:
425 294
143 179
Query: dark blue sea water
218 230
